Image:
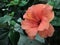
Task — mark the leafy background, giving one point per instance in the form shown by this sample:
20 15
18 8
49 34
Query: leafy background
11 14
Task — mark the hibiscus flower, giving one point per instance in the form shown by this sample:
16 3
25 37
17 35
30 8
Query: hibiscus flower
37 21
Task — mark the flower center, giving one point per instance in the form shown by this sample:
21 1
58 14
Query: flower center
39 22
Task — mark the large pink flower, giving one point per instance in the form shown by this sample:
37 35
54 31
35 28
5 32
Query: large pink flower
37 21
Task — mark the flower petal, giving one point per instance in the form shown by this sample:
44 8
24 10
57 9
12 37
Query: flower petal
27 24
43 34
28 15
50 30
44 24
48 13
36 10
47 32
32 32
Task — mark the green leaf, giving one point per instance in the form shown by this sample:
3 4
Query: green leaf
19 20
57 13
11 14
14 2
56 21
3 25
55 3
18 28
14 37
4 41
4 0
3 33
4 36
24 40
12 22
40 39
23 2
5 19
51 2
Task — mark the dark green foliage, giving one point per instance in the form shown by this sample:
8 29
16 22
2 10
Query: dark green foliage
56 9
14 37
